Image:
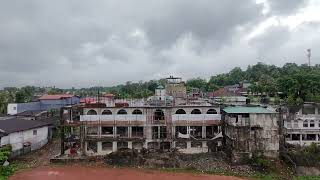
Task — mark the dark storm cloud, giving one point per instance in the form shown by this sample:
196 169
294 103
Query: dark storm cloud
283 7
104 42
207 20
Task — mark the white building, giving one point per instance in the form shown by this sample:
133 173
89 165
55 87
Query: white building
303 127
23 135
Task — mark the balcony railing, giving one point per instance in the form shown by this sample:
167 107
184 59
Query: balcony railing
196 117
175 117
112 118
308 116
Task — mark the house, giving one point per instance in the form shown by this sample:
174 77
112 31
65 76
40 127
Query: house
23 135
249 131
232 93
175 87
45 102
57 101
302 126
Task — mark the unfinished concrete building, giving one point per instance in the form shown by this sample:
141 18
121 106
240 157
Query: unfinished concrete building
250 130
98 130
302 127
175 87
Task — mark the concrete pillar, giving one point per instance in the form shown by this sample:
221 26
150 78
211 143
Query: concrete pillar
145 144
158 131
203 132
317 137
300 139
173 144
99 147
148 132
129 131
188 129
114 146
85 147
204 144
130 144
173 132
114 131
188 144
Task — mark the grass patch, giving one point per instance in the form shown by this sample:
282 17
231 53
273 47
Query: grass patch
307 178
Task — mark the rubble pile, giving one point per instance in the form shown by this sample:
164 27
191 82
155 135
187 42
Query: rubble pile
205 162
145 158
125 157
213 162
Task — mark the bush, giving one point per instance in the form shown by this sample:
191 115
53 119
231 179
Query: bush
6 171
306 156
260 162
4 153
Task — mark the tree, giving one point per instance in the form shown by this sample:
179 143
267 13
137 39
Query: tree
197 83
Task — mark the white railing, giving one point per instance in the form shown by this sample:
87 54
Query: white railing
112 118
308 116
196 117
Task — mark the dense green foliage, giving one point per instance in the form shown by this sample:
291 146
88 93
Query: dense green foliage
306 156
5 171
296 84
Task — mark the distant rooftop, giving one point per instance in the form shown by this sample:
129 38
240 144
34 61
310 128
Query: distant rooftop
253 110
55 97
30 113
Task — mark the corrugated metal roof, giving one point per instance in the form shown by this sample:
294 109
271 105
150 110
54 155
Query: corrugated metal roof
253 110
55 96
15 125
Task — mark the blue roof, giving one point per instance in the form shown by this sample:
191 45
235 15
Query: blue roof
250 110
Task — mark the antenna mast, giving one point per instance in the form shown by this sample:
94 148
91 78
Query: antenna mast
309 56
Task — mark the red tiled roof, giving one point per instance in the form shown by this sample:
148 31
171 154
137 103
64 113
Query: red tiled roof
88 100
225 91
55 97
108 95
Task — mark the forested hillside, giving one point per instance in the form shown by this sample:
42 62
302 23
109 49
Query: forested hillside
297 83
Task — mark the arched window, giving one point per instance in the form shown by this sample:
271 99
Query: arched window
137 111
106 112
196 111
122 111
92 112
181 111
212 111
158 115
311 123
305 123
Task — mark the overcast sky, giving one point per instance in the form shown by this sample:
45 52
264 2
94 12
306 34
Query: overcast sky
78 43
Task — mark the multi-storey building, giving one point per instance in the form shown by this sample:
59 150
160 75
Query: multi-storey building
176 87
250 130
190 129
303 127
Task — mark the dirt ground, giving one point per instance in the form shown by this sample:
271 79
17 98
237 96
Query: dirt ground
85 173
42 156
